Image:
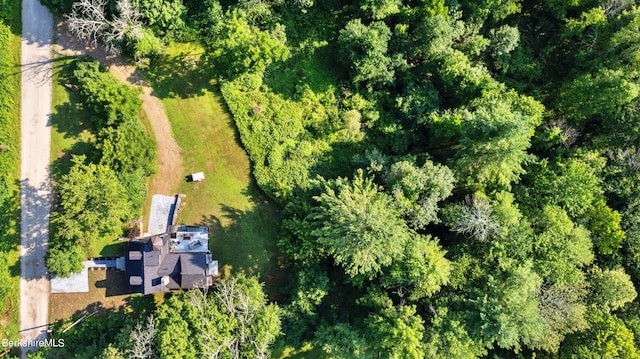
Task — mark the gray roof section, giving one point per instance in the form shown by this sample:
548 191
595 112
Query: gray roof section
193 263
180 270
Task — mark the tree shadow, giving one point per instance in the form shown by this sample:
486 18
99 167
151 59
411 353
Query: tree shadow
315 68
114 283
63 163
247 242
36 205
114 249
141 304
10 220
95 307
180 75
337 162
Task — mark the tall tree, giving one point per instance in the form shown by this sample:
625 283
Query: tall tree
92 203
561 248
235 321
359 226
396 333
422 271
611 289
363 48
417 190
238 47
506 313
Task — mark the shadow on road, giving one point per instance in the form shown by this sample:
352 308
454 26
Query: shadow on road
36 204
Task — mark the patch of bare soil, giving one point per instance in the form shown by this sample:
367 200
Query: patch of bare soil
170 168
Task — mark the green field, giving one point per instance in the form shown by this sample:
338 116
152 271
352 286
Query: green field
10 43
242 220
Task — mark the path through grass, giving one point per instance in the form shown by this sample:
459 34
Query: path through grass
243 221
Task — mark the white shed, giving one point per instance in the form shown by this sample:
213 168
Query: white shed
197 176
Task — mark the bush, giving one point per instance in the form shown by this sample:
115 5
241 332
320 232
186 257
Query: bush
65 259
111 101
127 148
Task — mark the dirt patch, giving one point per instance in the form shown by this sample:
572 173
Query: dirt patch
107 293
170 168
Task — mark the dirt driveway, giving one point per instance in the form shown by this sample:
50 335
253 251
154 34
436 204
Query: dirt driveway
170 168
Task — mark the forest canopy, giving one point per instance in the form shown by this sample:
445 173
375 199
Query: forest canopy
458 179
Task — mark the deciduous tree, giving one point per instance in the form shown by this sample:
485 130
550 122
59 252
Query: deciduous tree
92 203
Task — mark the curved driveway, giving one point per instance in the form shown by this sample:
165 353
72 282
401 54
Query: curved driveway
35 187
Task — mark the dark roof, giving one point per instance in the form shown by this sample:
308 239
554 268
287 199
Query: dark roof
148 261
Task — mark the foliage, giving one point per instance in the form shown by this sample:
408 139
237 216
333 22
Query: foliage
127 148
111 101
611 288
417 190
165 18
422 271
341 341
9 166
607 337
359 226
563 308
507 312
91 204
532 107
561 247
604 224
237 47
396 332
364 49
494 137
64 260
236 321
233 320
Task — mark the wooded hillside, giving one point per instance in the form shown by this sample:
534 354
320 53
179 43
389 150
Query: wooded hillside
458 179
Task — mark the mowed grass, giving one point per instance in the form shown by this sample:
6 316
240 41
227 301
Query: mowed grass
72 133
108 292
10 172
243 222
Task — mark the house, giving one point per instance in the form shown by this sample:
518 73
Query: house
177 259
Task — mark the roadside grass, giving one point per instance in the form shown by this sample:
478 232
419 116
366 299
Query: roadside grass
10 47
72 133
243 222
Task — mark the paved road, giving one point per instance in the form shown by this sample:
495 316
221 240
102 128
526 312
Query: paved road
37 30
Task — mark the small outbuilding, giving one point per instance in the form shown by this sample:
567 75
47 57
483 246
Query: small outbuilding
197 176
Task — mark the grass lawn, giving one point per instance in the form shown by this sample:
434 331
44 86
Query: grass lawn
107 293
10 46
72 133
242 220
